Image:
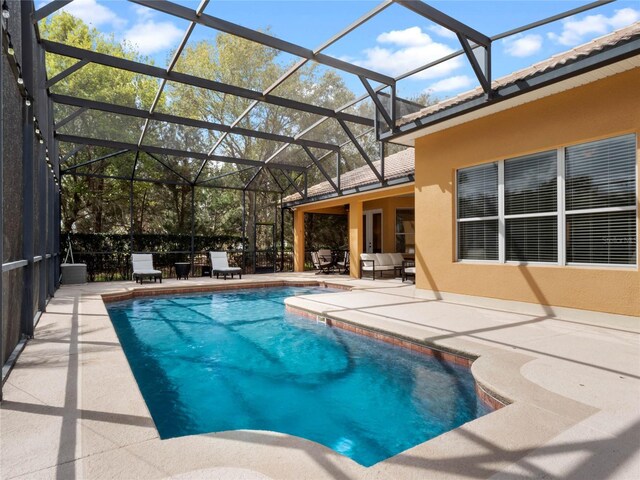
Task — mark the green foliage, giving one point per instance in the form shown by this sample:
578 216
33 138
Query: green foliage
108 256
106 242
326 231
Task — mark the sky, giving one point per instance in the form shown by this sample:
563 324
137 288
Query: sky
393 42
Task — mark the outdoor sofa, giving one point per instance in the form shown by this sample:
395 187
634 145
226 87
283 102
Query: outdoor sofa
380 262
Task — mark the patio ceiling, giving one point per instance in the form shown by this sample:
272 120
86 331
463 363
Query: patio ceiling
291 159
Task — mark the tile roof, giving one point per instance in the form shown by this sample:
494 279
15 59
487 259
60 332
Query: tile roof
581 51
397 165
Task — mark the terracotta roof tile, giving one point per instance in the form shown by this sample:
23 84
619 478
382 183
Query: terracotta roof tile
397 165
555 61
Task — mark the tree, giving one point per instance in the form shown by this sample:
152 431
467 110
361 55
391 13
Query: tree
102 205
236 61
96 204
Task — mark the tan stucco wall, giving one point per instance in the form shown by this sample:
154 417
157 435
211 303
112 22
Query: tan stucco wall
602 109
298 241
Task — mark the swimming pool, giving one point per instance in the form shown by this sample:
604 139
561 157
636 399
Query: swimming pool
234 360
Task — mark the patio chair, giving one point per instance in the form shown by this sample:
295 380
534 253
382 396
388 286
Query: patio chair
409 270
220 265
343 265
143 267
322 261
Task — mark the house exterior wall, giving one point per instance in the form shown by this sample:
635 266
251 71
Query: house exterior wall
606 108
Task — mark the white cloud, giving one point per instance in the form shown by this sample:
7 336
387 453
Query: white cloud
408 49
143 13
443 32
522 45
410 37
574 31
151 37
95 14
450 84
624 17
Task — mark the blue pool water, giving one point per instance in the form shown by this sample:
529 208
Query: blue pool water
237 360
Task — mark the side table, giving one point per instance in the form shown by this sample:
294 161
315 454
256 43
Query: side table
182 270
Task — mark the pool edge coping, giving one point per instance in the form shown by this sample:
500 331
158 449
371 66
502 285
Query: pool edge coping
490 398
110 297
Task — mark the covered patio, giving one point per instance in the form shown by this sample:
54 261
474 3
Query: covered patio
379 220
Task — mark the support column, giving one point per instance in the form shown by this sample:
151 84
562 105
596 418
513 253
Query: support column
281 236
28 177
356 235
193 227
244 231
1 217
298 240
131 247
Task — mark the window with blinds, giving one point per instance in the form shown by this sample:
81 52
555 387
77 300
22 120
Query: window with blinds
477 206
531 208
575 205
601 202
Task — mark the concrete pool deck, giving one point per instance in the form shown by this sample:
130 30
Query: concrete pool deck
72 408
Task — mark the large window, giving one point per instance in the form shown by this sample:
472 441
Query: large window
478 212
600 201
575 205
531 208
405 230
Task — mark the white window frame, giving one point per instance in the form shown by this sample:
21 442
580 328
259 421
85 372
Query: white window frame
501 199
560 212
475 219
628 208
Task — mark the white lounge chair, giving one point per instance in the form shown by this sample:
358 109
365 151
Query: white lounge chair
143 267
220 265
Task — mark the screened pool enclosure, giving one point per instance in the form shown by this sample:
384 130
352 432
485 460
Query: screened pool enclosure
75 108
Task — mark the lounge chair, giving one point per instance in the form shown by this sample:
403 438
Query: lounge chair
322 261
409 270
220 265
380 262
143 267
